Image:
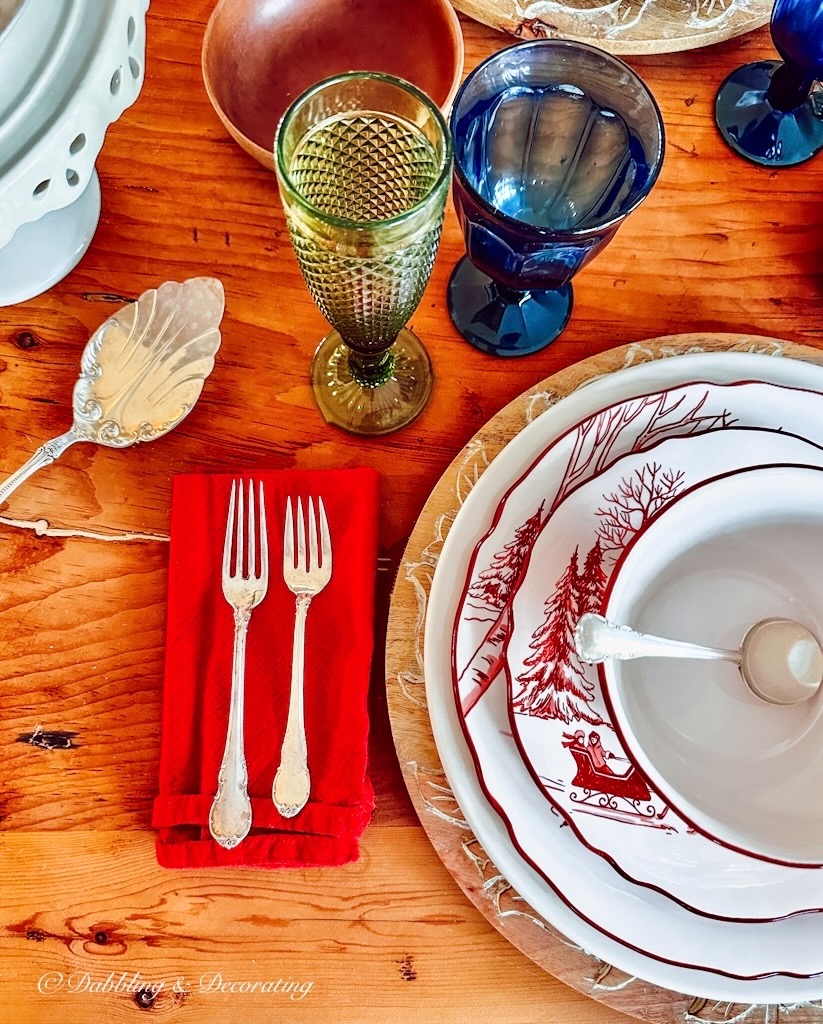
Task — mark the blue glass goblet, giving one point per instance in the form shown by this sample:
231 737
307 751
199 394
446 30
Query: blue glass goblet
555 143
768 111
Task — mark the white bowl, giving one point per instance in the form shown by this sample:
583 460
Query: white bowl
729 552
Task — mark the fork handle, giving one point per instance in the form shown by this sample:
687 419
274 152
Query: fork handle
230 815
292 783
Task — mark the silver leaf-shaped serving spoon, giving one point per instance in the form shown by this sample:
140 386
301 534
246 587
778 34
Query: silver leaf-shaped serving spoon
141 372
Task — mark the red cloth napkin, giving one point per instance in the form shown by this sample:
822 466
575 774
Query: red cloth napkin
200 632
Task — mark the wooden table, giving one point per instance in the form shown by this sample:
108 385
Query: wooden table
719 245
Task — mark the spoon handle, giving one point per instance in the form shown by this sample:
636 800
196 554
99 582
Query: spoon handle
44 456
597 639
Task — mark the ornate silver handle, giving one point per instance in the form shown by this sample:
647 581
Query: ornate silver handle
596 639
230 814
44 456
292 783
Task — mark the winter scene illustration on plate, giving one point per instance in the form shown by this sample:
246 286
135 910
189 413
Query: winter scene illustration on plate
545 560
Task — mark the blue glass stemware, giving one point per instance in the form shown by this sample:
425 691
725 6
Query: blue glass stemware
555 143
768 111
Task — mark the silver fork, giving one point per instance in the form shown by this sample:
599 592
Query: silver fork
244 587
305 579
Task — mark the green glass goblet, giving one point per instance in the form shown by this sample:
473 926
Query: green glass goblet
363 163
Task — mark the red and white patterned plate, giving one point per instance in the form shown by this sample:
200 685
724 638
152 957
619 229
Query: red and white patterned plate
638 929
560 721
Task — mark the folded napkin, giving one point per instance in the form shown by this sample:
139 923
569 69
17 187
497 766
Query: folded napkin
200 633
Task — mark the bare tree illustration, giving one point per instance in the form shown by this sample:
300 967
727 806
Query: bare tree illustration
637 498
654 418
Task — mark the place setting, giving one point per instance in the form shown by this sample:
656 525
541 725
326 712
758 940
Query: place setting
265 722
549 783
604 651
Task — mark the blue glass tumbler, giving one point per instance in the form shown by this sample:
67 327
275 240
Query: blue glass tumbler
555 143
768 111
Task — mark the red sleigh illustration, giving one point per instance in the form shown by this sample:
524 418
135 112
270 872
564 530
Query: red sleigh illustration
602 788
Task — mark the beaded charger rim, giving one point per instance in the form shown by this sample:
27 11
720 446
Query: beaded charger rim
628 27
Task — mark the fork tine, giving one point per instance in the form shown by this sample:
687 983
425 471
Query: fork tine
325 538
264 538
288 537
301 536
238 558
252 573
313 563
227 544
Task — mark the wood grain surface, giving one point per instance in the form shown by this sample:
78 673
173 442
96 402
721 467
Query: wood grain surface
719 246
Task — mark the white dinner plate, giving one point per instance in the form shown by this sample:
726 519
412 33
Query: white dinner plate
633 927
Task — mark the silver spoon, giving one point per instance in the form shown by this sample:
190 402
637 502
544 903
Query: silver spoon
781 661
141 372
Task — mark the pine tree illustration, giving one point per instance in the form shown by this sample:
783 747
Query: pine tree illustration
494 585
592 583
556 686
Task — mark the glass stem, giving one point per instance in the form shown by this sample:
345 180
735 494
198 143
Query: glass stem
511 295
370 371
789 88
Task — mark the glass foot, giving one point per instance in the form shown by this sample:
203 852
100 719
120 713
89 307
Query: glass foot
755 130
371 410
501 321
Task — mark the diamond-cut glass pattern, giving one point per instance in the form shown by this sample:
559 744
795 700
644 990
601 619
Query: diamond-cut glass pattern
366 168
368 300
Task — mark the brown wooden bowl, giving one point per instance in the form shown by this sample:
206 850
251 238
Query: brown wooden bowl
259 55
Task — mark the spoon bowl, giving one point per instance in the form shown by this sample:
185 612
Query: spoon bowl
141 372
781 661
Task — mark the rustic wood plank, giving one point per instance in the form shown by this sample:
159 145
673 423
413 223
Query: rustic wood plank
388 935
83 624
719 245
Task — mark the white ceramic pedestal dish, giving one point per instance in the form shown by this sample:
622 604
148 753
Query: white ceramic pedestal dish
68 68
9 9
725 554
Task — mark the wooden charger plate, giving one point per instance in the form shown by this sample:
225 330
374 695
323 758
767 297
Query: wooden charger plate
624 26
439 813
